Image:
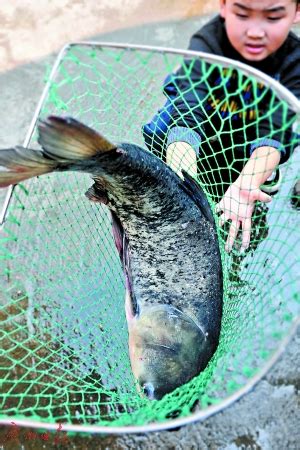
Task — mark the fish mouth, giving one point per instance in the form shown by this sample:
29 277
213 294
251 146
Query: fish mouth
167 349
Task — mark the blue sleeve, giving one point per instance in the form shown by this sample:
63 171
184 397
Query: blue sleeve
155 131
268 142
184 106
184 134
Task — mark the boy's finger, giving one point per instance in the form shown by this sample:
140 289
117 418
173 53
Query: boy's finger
263 197
222 220
246 226
233 231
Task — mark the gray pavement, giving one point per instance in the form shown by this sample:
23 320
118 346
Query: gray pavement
267 418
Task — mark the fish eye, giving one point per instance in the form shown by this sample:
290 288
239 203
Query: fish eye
148 390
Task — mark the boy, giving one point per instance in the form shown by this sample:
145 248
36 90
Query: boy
255 32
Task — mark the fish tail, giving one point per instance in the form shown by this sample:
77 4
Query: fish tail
19 163
64 141
68 140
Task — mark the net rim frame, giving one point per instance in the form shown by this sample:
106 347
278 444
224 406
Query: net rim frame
282 91
172 423
284 94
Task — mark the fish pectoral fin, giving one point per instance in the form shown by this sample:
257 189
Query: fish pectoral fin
194 190
97 193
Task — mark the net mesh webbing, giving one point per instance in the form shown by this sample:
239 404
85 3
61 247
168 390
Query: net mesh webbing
64 341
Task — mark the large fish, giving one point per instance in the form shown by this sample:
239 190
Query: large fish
166 237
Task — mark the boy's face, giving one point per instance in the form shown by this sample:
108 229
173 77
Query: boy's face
257 28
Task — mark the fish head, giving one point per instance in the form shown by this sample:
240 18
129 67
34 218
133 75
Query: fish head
167 349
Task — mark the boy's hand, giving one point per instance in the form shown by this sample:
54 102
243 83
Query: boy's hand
238 202
237 205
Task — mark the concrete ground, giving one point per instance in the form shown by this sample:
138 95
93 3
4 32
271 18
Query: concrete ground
267 418
52 23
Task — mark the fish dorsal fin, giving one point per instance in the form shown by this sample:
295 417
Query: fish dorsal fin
194 190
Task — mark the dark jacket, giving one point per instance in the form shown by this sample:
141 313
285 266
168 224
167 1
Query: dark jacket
199 104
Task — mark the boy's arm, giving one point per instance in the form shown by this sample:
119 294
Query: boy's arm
238 201
278 123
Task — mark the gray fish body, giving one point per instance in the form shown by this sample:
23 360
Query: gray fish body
166 237
173 261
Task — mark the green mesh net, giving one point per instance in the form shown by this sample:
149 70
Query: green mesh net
64 339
